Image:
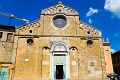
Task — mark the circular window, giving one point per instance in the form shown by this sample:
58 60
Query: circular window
30 41
59 21
30 31
89 42
88 32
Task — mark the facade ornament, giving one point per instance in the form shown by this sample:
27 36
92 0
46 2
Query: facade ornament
107 40
60 2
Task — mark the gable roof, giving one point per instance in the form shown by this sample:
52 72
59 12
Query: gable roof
35 22
60 8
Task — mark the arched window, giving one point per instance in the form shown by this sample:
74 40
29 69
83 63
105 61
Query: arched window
46 48
73 48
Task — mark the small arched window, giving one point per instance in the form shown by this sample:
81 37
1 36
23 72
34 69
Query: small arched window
46 48
73 48
92 64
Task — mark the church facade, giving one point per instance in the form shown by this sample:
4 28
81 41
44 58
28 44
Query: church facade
57 46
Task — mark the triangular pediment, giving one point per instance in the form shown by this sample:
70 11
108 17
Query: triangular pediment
58 9
45 25
86 26
29 25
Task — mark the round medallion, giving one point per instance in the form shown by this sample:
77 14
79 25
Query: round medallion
60 21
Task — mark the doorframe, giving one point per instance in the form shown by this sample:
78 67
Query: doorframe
52 52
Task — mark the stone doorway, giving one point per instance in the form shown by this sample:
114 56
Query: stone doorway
60 66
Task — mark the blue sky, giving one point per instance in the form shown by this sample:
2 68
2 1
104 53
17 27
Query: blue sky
101 14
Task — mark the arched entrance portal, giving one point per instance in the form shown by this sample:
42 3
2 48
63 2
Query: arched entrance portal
60 67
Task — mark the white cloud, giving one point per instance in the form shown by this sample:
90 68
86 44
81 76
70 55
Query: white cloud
117 34
90 20
112 50
91 12
113 6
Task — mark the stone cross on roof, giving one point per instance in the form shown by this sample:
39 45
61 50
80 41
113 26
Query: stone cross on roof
60 2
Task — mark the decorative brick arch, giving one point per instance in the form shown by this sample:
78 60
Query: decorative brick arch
62 45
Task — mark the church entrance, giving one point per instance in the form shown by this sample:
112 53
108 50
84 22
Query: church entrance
60 61
59 72
59 66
